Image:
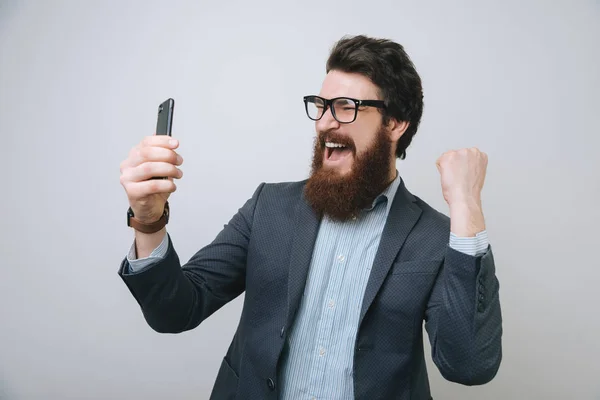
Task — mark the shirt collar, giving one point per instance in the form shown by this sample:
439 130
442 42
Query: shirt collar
388 194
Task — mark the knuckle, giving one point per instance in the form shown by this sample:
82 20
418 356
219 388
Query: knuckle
136 154
154 185
147 168
143 153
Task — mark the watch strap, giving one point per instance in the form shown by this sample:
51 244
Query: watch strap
151 227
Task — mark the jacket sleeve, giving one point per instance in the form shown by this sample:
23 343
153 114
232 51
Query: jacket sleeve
175 298
463 318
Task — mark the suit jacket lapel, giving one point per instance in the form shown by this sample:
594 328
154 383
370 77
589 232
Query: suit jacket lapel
306 226
403 215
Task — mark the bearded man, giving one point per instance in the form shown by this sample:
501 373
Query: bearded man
340 271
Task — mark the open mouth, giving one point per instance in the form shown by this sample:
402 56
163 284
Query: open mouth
336 151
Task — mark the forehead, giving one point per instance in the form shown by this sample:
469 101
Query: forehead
343 84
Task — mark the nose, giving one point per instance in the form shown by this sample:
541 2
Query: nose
327 122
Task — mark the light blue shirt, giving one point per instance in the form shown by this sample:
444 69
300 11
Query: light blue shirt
318 357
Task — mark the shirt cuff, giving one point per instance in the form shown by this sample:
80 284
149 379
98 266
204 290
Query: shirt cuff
139 264
473 246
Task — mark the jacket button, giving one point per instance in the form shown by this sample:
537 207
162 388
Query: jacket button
271 384
282 331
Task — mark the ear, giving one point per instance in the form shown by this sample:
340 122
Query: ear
397 129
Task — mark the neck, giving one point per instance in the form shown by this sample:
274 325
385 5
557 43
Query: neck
393 172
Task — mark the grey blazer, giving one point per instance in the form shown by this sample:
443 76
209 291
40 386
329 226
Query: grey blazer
265 250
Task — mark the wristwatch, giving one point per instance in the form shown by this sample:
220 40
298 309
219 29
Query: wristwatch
148 228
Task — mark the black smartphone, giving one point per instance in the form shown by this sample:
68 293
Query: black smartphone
164 121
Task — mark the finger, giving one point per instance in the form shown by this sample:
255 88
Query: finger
145 154
131 159
138 190
152 169
134 157
156 153
161 141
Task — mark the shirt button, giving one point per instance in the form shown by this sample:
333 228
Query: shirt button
341 258
330 304
321 351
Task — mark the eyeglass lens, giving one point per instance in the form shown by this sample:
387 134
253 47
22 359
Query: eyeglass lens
344 110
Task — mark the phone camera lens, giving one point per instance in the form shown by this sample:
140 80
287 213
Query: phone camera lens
160 108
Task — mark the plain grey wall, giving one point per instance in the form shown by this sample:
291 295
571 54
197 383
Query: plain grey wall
79 86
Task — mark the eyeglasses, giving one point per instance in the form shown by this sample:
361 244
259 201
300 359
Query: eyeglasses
343 109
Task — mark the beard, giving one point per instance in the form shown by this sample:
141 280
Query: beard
342 197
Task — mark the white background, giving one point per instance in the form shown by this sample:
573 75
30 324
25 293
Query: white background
79 86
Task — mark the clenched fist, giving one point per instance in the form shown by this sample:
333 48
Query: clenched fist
153 156
462 174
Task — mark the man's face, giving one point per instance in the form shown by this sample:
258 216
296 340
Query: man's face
357 136
347 179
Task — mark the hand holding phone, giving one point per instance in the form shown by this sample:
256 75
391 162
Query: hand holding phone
155 156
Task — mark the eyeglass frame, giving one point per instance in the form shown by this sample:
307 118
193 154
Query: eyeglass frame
329 102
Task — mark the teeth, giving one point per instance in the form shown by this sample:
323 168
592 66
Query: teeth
332 145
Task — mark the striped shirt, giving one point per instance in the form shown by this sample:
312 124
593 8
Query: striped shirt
318 356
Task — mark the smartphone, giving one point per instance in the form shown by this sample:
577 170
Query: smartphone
164 121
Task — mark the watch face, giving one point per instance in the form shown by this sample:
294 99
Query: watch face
167 212
129 215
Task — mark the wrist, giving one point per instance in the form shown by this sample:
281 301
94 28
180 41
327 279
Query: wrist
466 218
459 199
145 243
148 228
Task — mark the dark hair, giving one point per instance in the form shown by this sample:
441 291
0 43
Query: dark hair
388 66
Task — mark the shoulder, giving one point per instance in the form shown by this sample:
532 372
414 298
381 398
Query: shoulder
285 188
431 214
431 233
279 193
